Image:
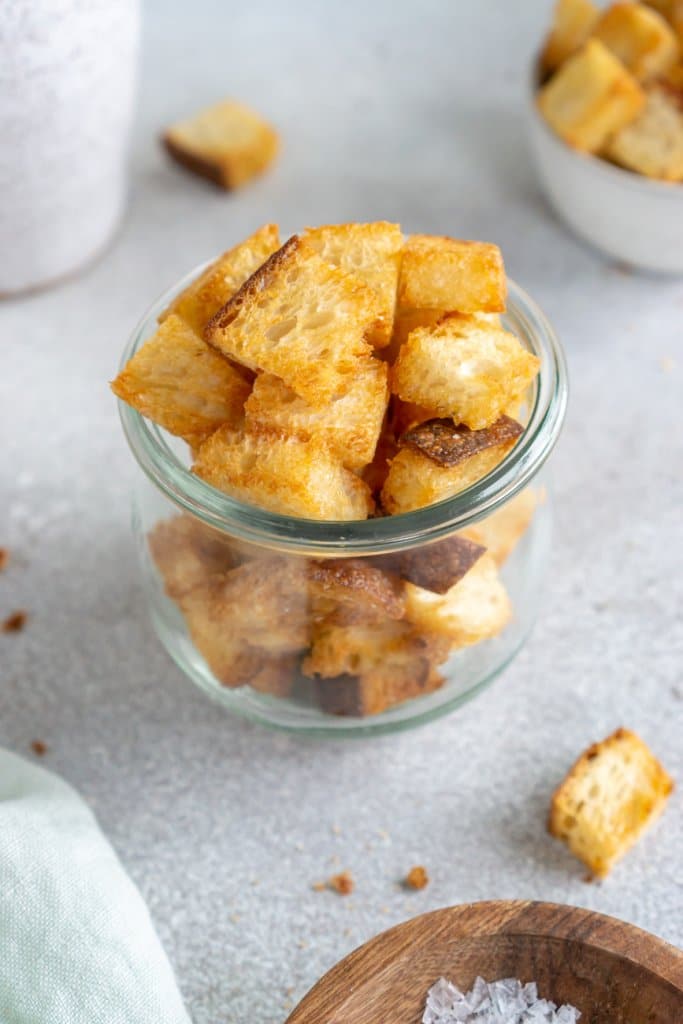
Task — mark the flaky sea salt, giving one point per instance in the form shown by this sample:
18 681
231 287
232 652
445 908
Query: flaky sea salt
507 1001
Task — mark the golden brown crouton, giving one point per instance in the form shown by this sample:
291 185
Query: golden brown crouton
438 566
285 475
229 655
358 696
639 37
186 552
653 143
182 384
405 321
349 423
672 10
573 21
376 472
475 609
499 533
373 252
438 459
452 275
301 319
615 790
357 582
211 290
228 143
591 97
463 369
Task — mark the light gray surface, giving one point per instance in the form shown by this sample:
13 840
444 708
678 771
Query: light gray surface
384 112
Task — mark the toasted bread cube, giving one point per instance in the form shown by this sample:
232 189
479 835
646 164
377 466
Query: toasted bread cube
437 566
373 252
672 11
356 582
228 143
501 532
405 321
674 77
379 690
639 37
285 475
612 794
187 553
463 369
350 423
229 655
376 472
475 609
653 143
181 383
301 319
202 299
439 459
590 98
573 21
452 275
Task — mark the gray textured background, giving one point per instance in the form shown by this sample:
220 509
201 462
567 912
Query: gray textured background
409 112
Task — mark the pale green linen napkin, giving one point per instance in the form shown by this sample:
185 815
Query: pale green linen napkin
77 945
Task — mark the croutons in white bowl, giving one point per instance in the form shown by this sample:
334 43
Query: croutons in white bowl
633 219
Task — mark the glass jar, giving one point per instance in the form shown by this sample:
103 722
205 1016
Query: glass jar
301 624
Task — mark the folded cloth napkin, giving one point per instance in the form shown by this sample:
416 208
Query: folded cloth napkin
77 945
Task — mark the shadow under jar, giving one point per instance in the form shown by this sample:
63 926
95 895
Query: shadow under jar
343 628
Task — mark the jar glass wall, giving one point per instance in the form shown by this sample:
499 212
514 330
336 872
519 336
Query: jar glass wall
354 627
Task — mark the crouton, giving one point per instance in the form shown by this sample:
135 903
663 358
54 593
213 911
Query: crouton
301 319
500 533
376 472
672 10
438 459
230 657
357 582
228 143
182 384
573 21
373 252
407 320
639 37
674 76
350 423
379 690
285 475
653 143
438 566
452 275
612 794
463 369
475 609
590 98
186 552
202 299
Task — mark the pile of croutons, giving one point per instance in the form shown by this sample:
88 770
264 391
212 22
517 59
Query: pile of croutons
613 83
347 373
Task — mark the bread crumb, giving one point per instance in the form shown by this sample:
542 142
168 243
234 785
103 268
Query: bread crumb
417 877
336 830
302 944
235 918
39 748
14 622
342 883
4 558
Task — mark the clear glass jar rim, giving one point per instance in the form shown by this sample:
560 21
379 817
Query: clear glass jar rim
370 536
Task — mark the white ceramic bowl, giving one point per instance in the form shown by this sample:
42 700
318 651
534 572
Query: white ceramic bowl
629 217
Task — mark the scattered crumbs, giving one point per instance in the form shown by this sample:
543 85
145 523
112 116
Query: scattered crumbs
288 1004
384 910
235 918
666 362
255 881
39 748
289 991
342 883
4 558
336 830
497 1002
302 944
319 886
383 834
14 622
417 877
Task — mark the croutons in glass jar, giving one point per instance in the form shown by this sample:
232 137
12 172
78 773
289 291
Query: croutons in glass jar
343 523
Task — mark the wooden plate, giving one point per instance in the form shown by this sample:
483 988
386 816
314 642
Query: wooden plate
612 972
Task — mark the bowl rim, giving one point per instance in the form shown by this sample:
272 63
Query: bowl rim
615 937
621 176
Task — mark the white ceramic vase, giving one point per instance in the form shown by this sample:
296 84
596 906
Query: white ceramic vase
67 86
